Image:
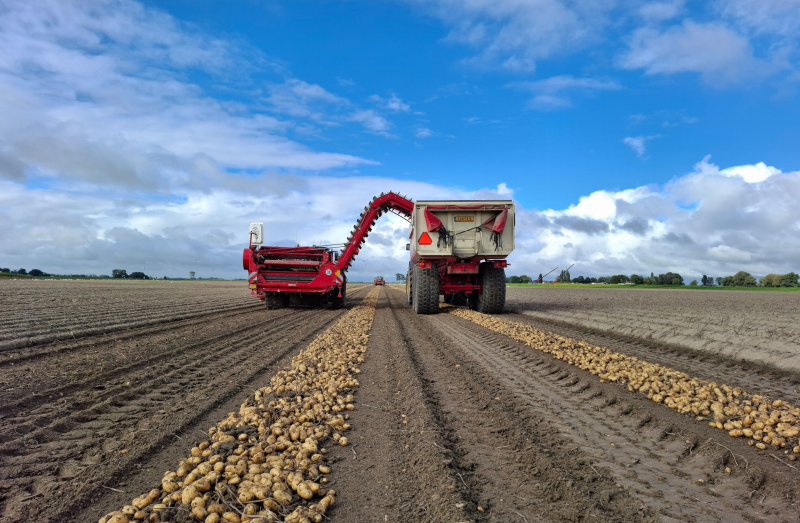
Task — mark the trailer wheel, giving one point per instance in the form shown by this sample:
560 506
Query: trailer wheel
426 290
336 301
276 300
492 298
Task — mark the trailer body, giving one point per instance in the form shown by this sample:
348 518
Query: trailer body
460 247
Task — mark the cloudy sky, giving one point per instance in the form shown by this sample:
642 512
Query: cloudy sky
634 136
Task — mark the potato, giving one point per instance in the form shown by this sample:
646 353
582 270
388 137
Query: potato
212 518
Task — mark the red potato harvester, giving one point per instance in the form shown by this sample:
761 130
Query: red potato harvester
458 249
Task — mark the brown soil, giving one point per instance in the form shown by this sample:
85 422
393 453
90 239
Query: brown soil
88 422
494 430
759 327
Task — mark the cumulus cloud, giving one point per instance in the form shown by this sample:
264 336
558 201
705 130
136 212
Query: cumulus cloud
710 221
639 143
711 49
554 92
97 93
423 132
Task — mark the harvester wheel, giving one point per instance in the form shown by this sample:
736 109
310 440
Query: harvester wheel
492 298
426 290
336 301
275 300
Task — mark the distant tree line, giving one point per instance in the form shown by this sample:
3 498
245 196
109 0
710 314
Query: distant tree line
122 273
23 272
740 279
116 273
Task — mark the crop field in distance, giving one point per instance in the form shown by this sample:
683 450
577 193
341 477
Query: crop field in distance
126 401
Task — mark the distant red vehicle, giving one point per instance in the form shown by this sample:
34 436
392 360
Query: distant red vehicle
379 281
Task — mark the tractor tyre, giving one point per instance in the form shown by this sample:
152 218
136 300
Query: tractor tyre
336 301
492 298
276 300
448 299
426 290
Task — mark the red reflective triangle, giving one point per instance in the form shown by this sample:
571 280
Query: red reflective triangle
425 239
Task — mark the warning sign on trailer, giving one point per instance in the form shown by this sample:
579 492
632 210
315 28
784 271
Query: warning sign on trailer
464 218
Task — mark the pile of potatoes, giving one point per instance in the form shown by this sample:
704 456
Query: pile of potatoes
266 462
763 421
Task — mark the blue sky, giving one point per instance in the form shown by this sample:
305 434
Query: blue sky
634 136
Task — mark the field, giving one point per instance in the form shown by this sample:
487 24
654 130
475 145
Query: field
454 417
752 326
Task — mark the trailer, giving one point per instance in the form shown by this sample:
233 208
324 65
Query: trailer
379 281
459 250
466 264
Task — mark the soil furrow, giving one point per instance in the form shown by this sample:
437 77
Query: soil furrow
504 467
98 377
55 478
30 339
62 347
668 460
755 378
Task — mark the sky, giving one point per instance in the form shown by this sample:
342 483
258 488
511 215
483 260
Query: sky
633 136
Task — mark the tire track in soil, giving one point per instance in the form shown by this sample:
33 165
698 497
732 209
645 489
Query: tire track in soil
72 468
392 472
487 454
752 377
654 452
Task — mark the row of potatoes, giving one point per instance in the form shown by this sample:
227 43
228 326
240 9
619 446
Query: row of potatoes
766 423
266 462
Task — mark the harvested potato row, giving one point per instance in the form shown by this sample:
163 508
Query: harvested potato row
763 421
266 462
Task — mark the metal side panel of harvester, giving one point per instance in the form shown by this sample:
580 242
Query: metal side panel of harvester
459 250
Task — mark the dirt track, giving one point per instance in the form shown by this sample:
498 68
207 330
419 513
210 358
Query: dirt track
494 430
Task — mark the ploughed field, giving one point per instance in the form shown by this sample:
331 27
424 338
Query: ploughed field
747 325
151 401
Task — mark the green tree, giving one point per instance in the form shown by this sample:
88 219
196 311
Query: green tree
22 271
704 279
6 269
636 279
138 275
743 279
540 278
567 277
119 273
37 272
525 279
693 283
789 280
513 279
399 277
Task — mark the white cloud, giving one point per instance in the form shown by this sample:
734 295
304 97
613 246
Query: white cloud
372 122
751 173
423 132
514 34
710 221
394 103
712 49
298 98
639 143
660 11
555 92
771 17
